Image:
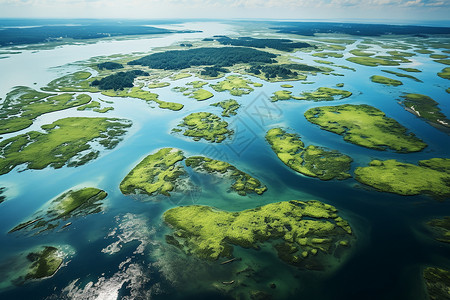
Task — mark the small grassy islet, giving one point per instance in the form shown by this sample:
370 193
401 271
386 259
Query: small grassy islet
366 126
429 177
204 125
398 74
23 104
311 161
306 228
229 107
44 263
426 108
65 141
243 183
445 73
74 203
155 174
321 94
440 229
385 80
437 281
235 85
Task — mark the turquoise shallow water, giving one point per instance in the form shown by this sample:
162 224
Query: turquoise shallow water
121 252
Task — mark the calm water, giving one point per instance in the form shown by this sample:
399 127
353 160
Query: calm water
122 253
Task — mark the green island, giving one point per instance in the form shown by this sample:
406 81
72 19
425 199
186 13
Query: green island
281 95
438 56
357 52
324 94
321 94
430 177
71 204
366 126
303 231
139 93
75 82
44 263
229 107
398 74
278 44
372 61
243 183
440 229
180 75
311 161
423 51
328 54
158 85
221 57
197 84
23 104
118 81
65 141
155 174
424 107
204 125
445 73
287 86
437 281
443 61
201 94
236 85
284 70
412 70
385 80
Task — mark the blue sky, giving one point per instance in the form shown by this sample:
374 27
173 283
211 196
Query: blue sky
395 10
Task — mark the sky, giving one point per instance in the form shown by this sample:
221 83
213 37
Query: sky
398 11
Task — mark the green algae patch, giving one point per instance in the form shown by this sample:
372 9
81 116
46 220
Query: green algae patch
429 177
311 161
229 107
324 94
412 70
235 85
71 204
23 104
158 85
440 229
301 226
426 108
201 95
243 183
75 82
437 281
155 174
445 73
366 126
204 125
139 93
66 141
372 61
385 80
398 74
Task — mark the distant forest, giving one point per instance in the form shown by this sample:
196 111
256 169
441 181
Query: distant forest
311 28
278 44
118 81
109 65
33 35
219 57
